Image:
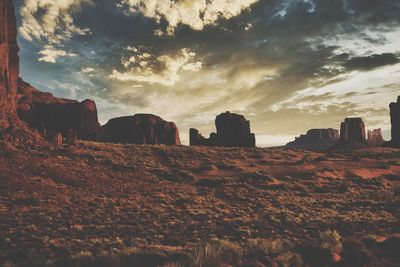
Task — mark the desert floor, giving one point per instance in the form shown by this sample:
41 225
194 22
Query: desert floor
94 200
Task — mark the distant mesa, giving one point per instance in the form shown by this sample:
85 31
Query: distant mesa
139 129
47 113
318 139
352 133
375 137
233 130
395 121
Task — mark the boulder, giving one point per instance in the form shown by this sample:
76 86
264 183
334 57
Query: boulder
352 132
9 64
318 139
46 113
140 129
395 121
233 130
375 137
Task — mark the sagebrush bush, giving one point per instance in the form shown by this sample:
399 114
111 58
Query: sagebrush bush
216 253
330 240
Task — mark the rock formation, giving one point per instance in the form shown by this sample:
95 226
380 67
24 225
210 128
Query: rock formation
352 132
46 113
395 120
316 139
9 64
375 137
140 129
233 130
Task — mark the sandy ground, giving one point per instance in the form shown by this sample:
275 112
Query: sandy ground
59 202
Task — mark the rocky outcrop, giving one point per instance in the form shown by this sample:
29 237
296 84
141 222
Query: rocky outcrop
318 139
395 120
233 130
375 137
140 129
9 64
352 132
47 113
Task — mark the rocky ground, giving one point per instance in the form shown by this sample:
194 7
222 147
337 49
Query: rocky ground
102 204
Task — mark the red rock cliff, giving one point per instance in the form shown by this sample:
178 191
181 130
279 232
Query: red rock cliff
9 63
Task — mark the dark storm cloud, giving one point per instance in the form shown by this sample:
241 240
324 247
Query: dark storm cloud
371 62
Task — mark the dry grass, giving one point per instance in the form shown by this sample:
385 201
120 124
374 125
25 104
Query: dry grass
127 205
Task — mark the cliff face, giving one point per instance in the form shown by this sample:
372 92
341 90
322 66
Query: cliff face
9 64
233 130
352 133
375 137
316 139
140 129
47 113
395 120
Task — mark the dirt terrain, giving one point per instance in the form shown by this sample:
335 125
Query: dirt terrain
71 206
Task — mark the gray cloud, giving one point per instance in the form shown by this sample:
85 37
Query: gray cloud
371 62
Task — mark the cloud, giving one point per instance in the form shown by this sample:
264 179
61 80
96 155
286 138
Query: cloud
152 69
52 22
50 19
287 65
194 13
371 62
50 54
87 70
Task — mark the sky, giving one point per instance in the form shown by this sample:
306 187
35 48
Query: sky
286 65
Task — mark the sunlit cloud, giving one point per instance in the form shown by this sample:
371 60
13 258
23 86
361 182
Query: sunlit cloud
52 22
194 13
50 54
156 69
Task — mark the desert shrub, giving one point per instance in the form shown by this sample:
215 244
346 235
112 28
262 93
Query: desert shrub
396 191
216 253
178 176
390 247
144 258
289 259
383 166
278 187
259 248
330 240
207 166
321 252
314 256
305 175
228 166
321 158
173 264
342 188
258 176
298 187
355 254
207 182
391 177
26 201
185 176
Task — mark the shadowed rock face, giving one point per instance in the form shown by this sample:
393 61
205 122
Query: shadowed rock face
233 130
375 137
140 129
316 139
46 113
395 120
352 132
9 63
